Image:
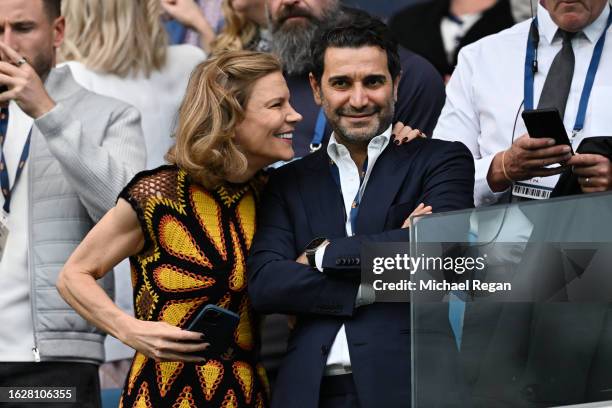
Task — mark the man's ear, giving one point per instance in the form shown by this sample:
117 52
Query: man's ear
316 89
59 29
396 82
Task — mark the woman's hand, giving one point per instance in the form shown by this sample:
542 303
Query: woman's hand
422 209
117 236
162 341
188 13
403 134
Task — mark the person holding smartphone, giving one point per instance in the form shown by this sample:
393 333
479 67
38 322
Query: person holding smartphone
187 228
559 59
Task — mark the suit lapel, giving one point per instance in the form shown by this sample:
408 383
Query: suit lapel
386 179
322 198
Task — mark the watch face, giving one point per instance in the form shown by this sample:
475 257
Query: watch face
315 243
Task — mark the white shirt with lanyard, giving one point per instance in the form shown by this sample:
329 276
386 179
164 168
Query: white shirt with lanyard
540 187
486 92
9 181
16 336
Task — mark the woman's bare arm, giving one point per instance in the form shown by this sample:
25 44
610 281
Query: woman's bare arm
117 236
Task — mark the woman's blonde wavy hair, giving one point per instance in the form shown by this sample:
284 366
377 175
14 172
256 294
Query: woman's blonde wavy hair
237 32
118 37
217 95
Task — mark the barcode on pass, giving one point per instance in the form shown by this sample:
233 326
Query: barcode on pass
530 192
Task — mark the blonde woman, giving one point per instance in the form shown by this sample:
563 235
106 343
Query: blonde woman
119 48
187 228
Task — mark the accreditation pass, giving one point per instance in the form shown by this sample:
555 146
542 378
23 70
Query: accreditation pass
537 188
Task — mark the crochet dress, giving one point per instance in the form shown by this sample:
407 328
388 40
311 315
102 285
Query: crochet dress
196 243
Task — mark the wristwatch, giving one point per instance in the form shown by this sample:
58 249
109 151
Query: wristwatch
311 250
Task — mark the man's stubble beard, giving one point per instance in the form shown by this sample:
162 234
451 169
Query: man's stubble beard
363 136
42 63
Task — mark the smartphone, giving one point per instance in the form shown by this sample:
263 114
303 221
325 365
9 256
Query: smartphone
546 123
218 326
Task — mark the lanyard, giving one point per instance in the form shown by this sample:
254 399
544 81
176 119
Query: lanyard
4 178
588 83
319 132
357 200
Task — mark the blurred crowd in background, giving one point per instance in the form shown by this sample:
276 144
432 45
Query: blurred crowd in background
142 53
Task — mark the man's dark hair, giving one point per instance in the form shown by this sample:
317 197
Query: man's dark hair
53 8
353 29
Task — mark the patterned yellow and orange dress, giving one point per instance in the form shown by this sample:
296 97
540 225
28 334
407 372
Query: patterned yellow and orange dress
196 242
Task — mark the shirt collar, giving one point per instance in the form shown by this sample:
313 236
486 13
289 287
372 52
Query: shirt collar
592 32
336 151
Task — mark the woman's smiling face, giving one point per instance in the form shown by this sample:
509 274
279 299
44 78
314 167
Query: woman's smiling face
265 135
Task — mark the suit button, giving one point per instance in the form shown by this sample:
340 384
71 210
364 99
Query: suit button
324 350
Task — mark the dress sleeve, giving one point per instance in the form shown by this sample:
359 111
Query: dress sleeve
148 184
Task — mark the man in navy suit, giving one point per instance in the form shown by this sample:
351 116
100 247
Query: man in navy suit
344 350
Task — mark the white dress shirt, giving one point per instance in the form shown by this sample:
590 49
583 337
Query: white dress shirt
17 334
351 186
485 93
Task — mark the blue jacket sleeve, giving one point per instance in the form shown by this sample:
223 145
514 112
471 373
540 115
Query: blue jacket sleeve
448 185
278 284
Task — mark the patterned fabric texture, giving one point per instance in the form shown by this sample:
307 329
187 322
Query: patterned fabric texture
196 243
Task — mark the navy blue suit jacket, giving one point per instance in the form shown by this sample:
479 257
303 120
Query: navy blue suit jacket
301 202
